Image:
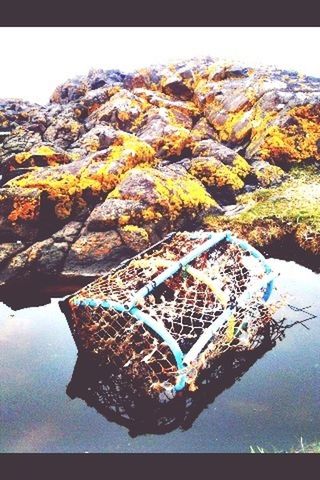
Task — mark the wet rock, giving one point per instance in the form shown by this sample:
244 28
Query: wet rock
19 214
44 258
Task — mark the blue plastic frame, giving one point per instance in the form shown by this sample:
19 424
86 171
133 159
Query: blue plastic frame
182 360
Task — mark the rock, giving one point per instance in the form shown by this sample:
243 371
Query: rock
234 104
107 166
43 258
159 99
202 130
134 237
39 156
98 138
166 131
290 137
19 214
8 250
176 86
49 256
171 194
213 173
68 233
225 155
115 161
63 132
98 78
124 110
61 186
114 212
21 139
95 253
69 91
267 175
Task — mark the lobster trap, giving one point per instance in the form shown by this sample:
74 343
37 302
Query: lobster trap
163 315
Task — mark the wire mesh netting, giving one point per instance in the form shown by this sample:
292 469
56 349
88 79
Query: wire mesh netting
163 315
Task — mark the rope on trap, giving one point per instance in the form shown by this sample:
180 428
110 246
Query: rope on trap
164 314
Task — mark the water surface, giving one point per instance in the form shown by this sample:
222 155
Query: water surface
275 402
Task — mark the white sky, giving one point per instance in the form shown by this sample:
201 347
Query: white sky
35 60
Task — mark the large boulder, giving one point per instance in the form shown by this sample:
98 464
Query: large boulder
173 197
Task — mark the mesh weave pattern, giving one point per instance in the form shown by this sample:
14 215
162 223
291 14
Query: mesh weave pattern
186 304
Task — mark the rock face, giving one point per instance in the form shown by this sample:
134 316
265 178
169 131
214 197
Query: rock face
115 161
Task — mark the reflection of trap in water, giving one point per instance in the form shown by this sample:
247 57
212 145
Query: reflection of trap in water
121 398
163 315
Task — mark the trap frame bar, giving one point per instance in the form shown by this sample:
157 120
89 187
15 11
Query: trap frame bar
183 360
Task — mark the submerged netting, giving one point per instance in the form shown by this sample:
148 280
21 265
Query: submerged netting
163 315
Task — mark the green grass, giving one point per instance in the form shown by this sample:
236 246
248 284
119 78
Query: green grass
269 214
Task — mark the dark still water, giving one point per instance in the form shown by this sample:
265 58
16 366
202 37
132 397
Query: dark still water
276 401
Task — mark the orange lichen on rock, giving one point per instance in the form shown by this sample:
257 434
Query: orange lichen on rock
61 185
43 155
23 210
19 213
74 185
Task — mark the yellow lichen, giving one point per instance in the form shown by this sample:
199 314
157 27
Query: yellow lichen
171 196
137 230
213 173
51 157
297 140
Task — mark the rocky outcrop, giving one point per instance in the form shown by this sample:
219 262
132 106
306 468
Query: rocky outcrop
115 161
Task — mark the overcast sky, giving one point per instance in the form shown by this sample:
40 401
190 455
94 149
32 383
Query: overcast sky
35 60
